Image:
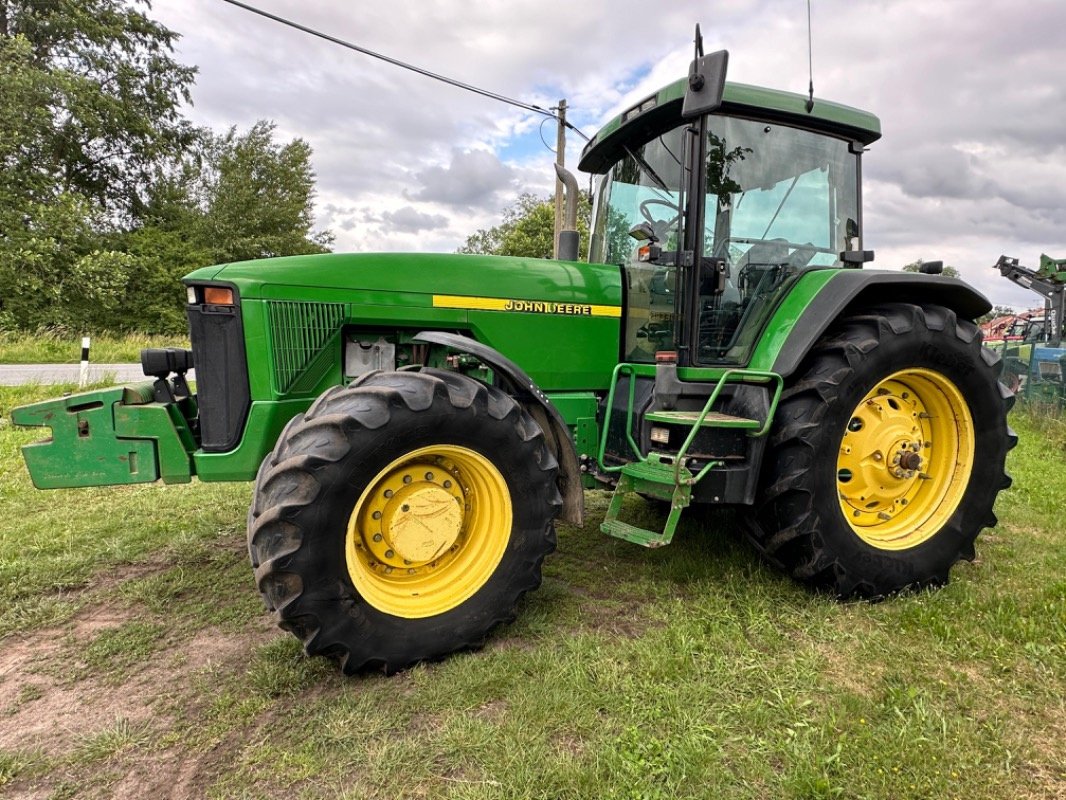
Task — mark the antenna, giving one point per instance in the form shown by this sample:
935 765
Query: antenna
810 61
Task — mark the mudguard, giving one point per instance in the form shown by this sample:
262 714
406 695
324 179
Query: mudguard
850 290
518 384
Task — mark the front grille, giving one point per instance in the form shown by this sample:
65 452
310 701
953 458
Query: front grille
298 332
221 375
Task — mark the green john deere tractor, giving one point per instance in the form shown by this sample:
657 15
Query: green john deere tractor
416 423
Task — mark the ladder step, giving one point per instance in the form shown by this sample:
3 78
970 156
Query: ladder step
714 419
631 533
652 470
654 478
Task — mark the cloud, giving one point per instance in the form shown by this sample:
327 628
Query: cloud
972 101
473 179
410 220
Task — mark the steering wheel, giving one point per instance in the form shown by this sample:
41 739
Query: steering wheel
660 226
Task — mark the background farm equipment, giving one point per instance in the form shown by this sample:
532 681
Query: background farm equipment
1031 342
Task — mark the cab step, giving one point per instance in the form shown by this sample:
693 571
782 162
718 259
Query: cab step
656 477
712 419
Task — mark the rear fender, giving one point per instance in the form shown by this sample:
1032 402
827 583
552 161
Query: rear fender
851 290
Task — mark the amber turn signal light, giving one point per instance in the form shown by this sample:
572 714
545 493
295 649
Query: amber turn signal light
218 296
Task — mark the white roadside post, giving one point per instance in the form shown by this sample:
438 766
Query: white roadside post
83 374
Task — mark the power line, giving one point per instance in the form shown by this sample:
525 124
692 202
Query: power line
404 65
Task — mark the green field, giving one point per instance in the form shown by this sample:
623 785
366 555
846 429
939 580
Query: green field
137 661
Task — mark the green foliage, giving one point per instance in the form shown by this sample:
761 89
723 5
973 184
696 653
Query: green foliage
915 266
112 91
38 256
108 195
257 196
61 347
528 229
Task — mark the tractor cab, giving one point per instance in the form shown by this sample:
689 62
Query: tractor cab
716 209
714 218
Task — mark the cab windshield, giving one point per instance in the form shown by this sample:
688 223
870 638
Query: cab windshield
780 201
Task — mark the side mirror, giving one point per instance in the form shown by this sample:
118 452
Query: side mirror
706 84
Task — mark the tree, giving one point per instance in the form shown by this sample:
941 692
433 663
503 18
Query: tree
915 266
235 197
109 91
89 110
257 196
528 229
108 195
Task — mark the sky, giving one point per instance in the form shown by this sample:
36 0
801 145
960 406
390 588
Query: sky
971 96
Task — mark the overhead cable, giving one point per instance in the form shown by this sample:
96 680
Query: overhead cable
404 65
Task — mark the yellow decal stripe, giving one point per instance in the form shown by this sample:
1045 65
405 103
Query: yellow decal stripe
524 306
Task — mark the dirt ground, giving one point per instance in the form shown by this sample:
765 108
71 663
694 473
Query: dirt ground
52 705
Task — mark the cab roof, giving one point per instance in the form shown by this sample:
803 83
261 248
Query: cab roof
662 110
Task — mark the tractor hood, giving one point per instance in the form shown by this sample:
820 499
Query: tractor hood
533 310
386 278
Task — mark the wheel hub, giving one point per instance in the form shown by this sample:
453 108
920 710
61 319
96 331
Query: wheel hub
872 483
414 516
421 522
910 461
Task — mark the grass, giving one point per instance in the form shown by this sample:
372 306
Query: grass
61 347
693 671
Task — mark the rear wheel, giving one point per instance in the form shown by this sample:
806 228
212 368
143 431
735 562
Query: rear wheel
402 518
887 454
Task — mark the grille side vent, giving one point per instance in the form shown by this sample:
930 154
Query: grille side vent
298 332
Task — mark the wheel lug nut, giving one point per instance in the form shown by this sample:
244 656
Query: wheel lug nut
406 478
389 554
377 537
429 476
376 515
447 484
388 493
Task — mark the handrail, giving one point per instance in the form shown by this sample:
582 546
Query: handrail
631 369
729 376
741 376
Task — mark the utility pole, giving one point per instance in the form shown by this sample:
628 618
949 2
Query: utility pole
560 159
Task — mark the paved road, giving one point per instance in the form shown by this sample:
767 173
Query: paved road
16 374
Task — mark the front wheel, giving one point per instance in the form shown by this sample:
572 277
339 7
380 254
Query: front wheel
887 455
402 518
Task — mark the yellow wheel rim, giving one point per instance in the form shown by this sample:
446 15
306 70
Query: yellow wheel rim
428 531
905 459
